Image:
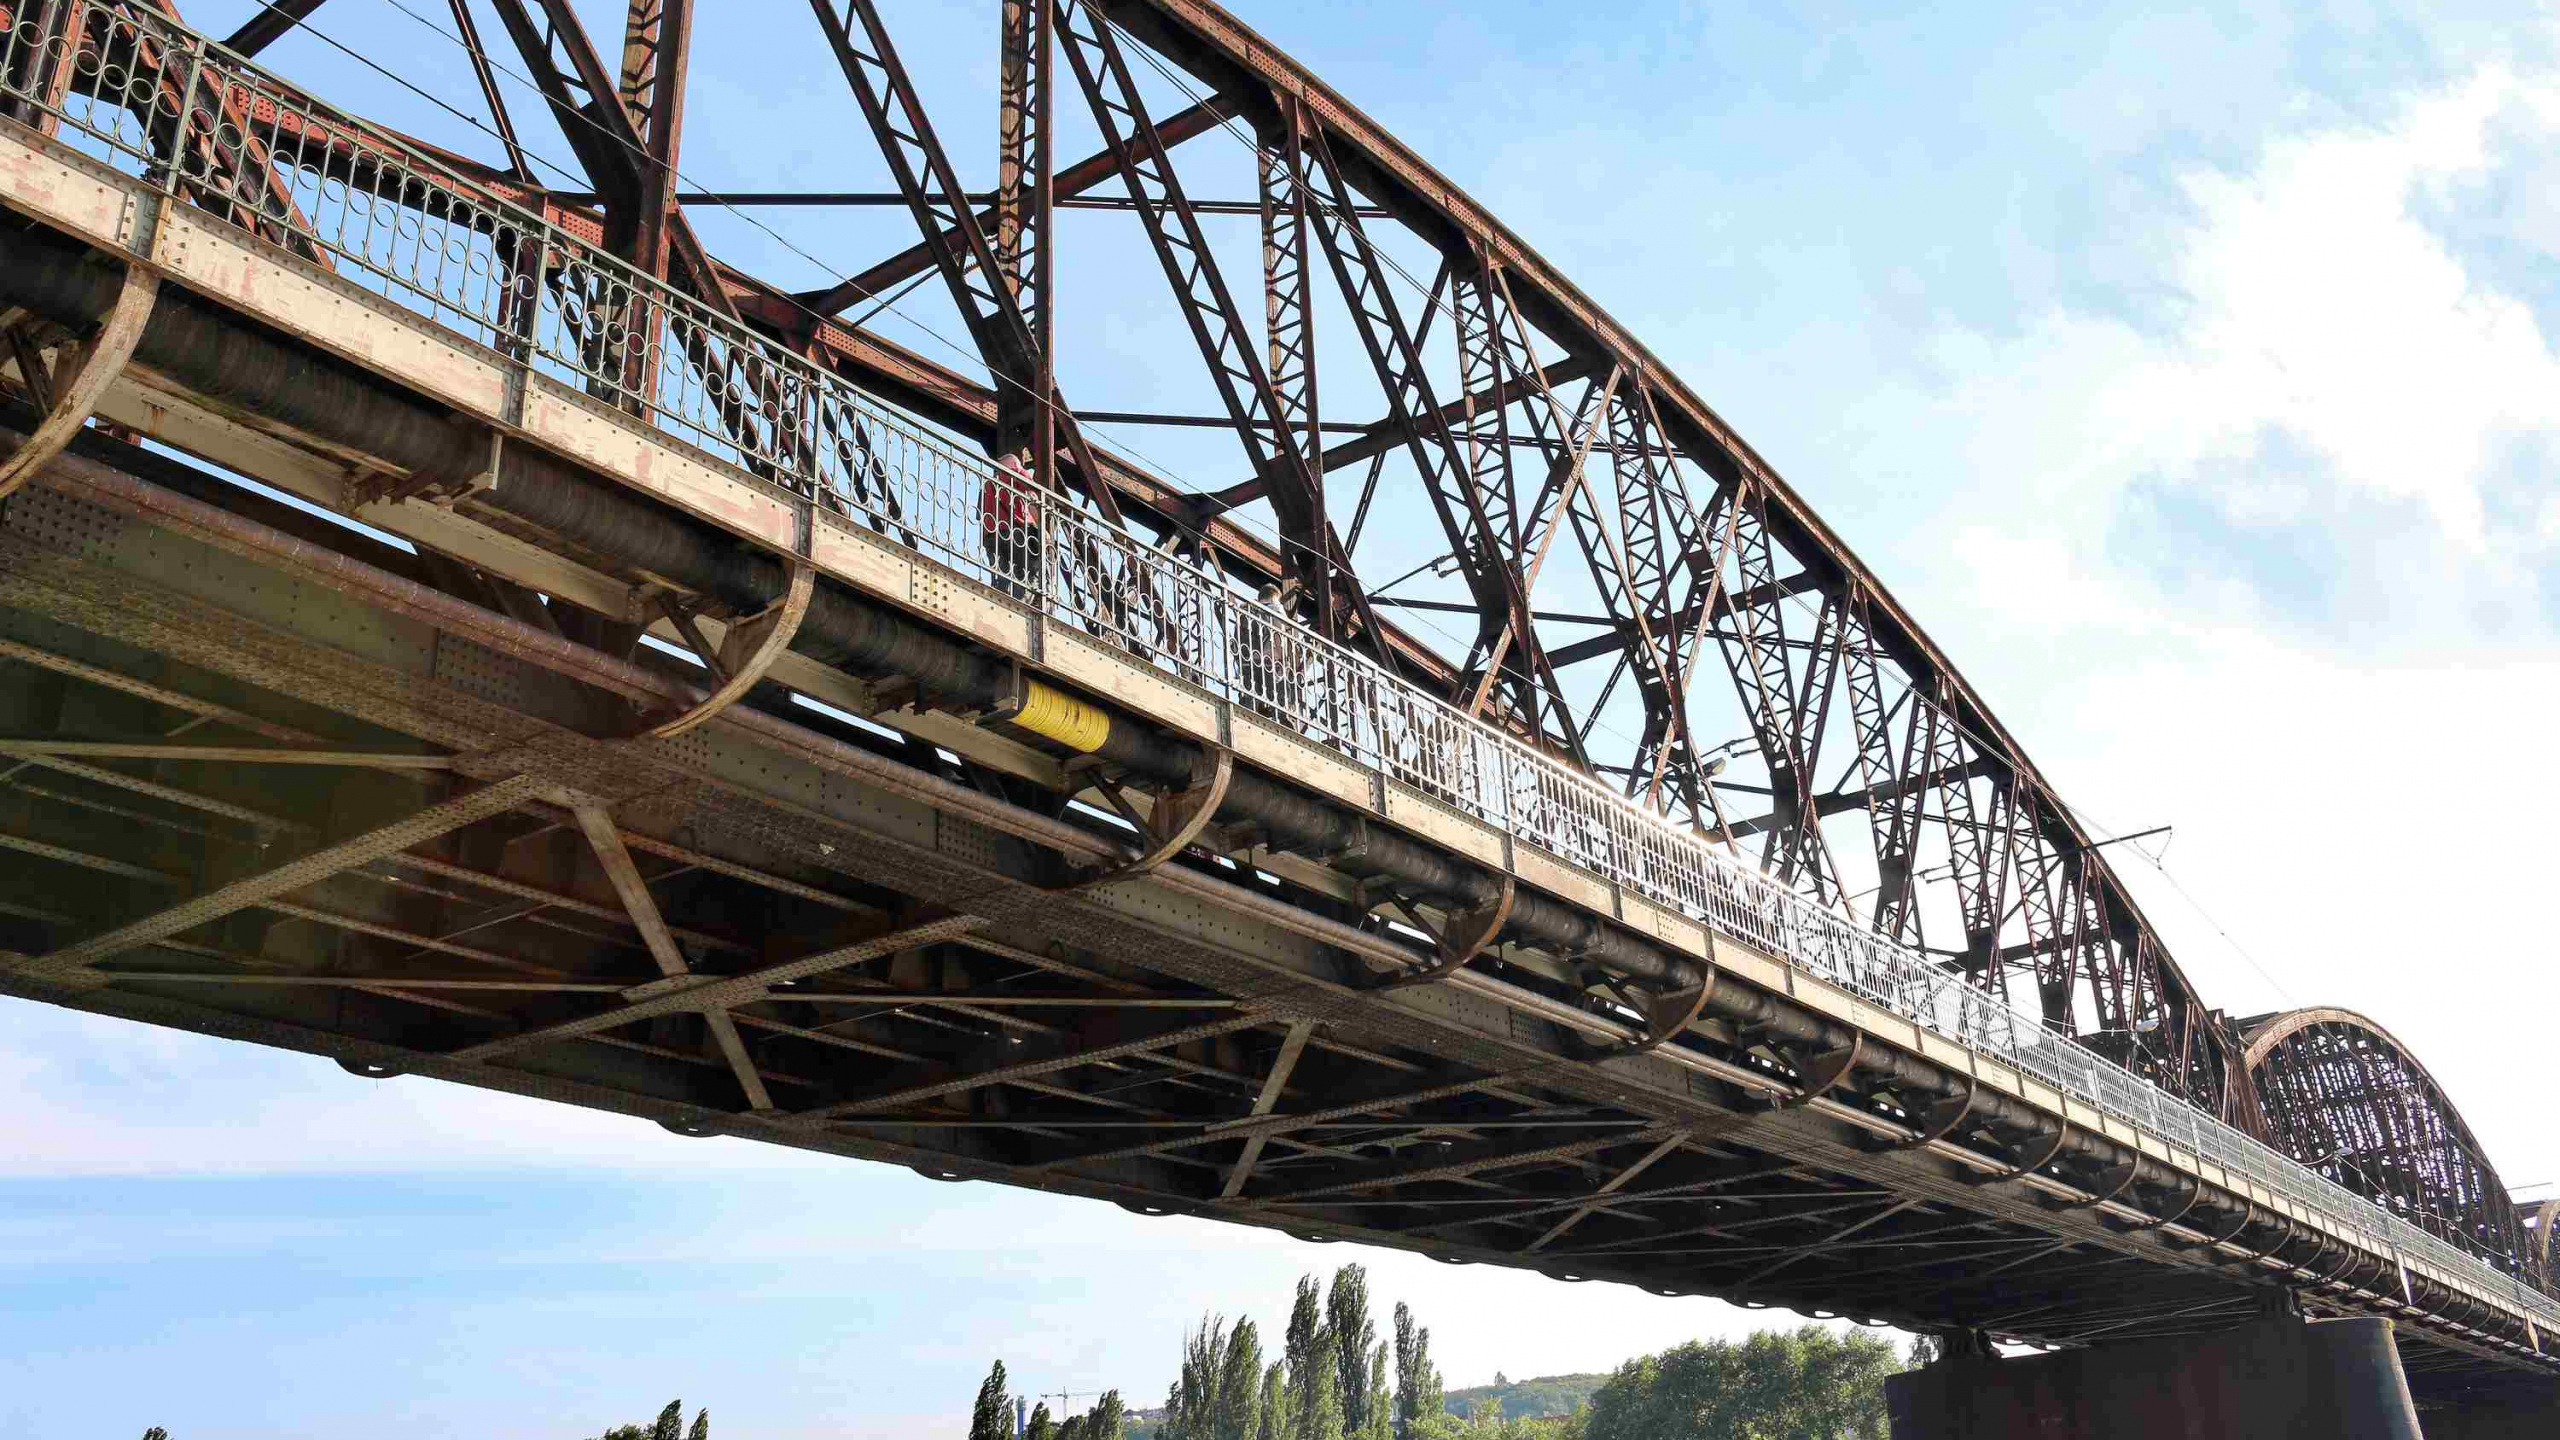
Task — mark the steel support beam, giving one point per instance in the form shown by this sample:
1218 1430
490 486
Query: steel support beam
279 880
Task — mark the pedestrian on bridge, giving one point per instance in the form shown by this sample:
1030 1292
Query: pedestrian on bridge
1009 527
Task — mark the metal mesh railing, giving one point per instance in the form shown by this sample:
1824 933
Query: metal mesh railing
154 99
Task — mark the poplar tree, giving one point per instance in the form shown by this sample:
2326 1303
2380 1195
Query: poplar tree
988 1420
1273 1422
1040 1426
1380 1405
670 1424
1319 1409
1347 1315
1239 1403
701 1425
1419 1393
1193 1406
1310 1360
1107 1418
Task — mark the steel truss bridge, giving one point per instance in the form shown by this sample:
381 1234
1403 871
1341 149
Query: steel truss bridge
1058 822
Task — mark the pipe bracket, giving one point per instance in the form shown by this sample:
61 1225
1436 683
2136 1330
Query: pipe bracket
1942 1119
1172 825
1465 938
82 371
2061 1133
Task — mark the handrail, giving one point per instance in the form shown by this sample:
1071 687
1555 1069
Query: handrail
132 87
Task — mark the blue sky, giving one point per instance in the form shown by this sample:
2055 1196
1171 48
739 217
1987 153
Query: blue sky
2188 372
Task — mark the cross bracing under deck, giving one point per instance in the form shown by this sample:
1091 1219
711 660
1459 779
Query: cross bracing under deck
1128 885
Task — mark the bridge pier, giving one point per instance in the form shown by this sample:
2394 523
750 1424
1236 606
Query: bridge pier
2273 1379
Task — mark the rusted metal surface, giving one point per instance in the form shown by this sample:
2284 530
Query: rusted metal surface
1705 1133
81 373
1333 1197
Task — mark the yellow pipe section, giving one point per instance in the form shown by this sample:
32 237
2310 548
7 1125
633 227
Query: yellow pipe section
1061 717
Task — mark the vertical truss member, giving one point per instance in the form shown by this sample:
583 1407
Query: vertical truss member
980 285
1026 207
1787 714
1498 369
1488 566
1289 331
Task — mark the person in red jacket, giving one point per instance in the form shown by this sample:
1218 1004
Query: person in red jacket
1009 527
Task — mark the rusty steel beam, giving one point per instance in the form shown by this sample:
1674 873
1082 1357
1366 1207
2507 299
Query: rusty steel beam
1199 289
1276 1081
657 40
1066 184
467 29
270 24
292 875
606 841
962 252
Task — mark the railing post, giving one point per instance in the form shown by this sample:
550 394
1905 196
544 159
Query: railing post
1047 541
195 45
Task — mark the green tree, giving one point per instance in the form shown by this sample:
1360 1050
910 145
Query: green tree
1195 1404
1273 1421
989 1419
1419 1393
1805 1384
1238 1411
1040 1426
1926 1349
1346 1313
1381 1399
701 1425
1319 1410
670 1424
1315 1409
156 1432
1107 1418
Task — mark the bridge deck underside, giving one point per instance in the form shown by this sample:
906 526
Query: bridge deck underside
906 979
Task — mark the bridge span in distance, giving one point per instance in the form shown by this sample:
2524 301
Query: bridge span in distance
986 803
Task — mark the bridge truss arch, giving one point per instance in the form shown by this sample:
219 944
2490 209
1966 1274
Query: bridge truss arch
2542 1256
2342 1095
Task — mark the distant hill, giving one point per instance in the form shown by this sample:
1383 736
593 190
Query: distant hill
1529 1399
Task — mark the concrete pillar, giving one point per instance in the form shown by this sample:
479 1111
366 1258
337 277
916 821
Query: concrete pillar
2524 1416
2274 1379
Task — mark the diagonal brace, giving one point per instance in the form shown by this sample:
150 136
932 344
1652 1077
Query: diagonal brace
606 841
292 875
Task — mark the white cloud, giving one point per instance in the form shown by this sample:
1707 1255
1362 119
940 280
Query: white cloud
2331 360
2339 398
